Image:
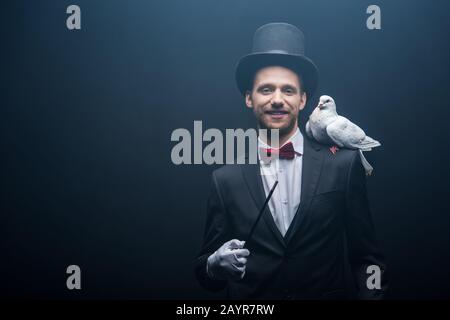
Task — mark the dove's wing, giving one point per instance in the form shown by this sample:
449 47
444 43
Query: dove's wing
345 133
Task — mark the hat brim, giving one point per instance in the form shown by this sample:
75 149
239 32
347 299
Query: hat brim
302 65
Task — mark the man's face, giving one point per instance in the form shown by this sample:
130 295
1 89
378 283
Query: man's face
276 99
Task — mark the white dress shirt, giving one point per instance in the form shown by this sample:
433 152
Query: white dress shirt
286 198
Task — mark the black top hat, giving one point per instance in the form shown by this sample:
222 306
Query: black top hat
279 44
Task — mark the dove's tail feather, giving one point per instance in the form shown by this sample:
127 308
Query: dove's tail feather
367 167
368 143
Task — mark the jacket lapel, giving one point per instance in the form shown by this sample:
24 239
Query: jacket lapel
252 177
311 168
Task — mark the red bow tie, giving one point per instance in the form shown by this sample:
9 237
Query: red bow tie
285 152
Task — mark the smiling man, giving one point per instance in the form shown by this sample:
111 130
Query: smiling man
276 99
318 224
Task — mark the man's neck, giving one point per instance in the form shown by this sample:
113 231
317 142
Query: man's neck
282 139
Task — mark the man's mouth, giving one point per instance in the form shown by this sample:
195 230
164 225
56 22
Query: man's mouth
277 112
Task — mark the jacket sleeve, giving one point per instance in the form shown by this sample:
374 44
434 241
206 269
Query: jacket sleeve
363 248
214 236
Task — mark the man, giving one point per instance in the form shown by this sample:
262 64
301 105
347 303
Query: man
318 220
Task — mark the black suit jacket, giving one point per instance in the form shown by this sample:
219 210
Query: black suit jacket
332 229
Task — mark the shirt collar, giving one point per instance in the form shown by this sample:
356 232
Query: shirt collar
296 139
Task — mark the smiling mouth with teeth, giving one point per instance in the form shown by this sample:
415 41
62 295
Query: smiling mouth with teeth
276 112
277 115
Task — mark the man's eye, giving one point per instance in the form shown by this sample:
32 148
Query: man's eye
289 91
266 90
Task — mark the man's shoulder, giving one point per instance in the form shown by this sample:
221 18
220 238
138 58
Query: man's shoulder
341 156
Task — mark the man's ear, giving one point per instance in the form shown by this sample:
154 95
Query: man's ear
303 100
248 99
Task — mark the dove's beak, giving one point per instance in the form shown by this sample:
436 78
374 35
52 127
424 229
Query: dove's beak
320 105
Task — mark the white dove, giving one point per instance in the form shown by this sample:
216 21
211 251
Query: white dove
327 127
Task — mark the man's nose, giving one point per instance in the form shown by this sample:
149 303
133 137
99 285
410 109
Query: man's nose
277 99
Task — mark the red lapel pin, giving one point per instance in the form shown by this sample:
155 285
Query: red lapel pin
334 149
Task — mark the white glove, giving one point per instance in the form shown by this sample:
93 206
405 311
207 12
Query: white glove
228 262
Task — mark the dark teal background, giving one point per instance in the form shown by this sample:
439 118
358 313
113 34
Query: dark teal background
86 118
